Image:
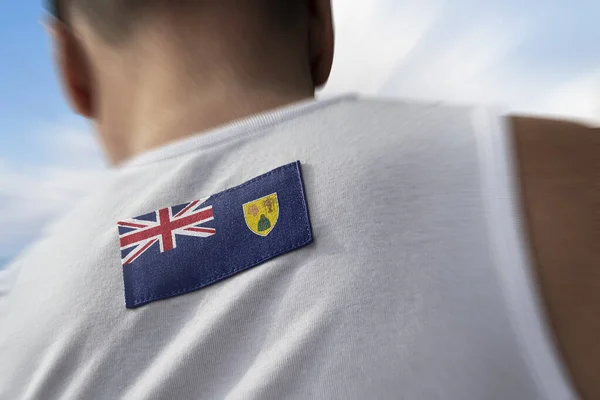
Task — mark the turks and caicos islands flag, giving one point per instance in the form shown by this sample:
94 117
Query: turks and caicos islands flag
180 249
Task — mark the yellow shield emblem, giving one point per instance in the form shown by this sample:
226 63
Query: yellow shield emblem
262 214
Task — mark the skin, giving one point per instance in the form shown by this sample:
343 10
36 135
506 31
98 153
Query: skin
559 165
135 95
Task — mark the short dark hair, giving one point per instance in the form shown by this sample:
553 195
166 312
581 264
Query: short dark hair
108 17
112 19
54 8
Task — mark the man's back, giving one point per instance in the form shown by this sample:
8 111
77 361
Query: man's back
416 284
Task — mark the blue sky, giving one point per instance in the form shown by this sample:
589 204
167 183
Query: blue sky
30 93
537 57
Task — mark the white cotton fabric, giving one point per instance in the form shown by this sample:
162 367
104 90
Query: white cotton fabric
417 285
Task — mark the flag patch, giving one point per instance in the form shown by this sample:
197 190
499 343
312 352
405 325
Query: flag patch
184 248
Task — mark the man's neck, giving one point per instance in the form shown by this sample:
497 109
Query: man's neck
163 90
163 119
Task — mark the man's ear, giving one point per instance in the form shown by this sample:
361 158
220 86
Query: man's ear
73 68
321 40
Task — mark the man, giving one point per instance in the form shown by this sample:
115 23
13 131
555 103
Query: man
253 243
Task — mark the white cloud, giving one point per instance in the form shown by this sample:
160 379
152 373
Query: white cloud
69 142
373 37
578 97
462 68
33 195
415 50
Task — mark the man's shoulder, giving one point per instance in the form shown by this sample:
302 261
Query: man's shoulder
407 108
387 124
559 169
555 131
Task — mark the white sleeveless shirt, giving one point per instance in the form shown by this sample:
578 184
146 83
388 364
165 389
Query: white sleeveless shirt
417 284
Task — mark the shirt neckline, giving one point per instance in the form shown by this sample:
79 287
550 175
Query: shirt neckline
232 130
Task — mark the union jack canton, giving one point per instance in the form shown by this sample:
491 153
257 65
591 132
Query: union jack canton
163 226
